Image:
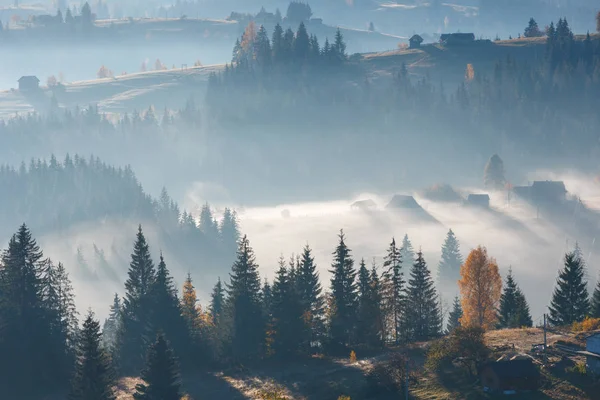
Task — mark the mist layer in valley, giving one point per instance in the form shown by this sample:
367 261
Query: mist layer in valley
518 235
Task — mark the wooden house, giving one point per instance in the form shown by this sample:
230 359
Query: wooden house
517 374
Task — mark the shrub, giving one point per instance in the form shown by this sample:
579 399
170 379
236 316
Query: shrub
104 72
51 81
587 325
464 346
352 356
387 376
579 369
272 394
342 397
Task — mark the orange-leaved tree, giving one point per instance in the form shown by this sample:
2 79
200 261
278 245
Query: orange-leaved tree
480 289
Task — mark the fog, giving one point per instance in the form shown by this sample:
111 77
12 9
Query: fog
513 232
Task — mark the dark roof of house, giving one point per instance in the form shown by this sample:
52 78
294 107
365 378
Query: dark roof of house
549 185
364 203
516 368
28 78
478 197
464 36
416 38
401 201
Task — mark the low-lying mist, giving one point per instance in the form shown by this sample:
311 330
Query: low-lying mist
515 233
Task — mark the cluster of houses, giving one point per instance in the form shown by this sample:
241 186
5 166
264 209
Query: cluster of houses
540 193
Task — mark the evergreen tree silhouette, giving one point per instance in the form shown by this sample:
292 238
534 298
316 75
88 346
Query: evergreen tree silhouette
111 324
368 315
161 374
393 288
595 303
570 301
30 337
493 175
422 312
244 303
136 327
166 312
343 293
93 378
454 316
287 323
311 300
451 261
514 310
217 301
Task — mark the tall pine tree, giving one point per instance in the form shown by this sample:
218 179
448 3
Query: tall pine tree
595 306
136 325
449 266
343 293
166 312
28 340
93 378
423 320
368 318
570 300
393 290
217 301
514 310
287 324
112 323
454 316
161 375
244 302
311 299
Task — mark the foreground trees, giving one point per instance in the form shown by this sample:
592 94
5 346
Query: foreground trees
93 378
161 375
480 289
514 310
570 300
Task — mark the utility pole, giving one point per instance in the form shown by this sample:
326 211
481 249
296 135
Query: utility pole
545 343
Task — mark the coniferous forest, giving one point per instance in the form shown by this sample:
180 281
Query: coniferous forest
160 331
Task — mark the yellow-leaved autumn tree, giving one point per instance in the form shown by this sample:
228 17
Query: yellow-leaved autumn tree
196 319
480 289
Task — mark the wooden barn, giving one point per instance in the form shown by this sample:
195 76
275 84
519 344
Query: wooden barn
548 192
518 374
28 83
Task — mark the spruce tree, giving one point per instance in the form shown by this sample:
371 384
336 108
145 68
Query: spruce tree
595 303
189 307
287 324
136 325
311 299
229 233
161 375
454 316
449 266
244 303
217 301
62 316
266 298
166 311
93 378
367 320
378 307
493 175
406 251
112 323
514 310
393 289
422 312
28 340
343 293
301 44
570 302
